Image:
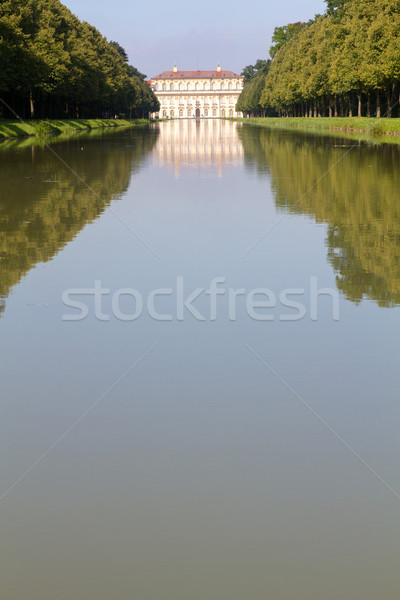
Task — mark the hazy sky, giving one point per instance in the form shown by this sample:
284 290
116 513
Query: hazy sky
192 34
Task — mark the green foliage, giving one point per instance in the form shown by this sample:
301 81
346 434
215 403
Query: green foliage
54 65
261 66
343 63
283 35
335 6
121 51
254 82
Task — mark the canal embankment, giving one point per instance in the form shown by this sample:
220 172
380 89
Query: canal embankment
19 128
359 127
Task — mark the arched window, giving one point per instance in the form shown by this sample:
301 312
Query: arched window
197 86
171 87
214 112
230 85
205 112
189 112
188 86
181 113
223 112
164 87
213 85
231 112
172 114
164 114
222 85
205 86
155 87
238 85
181 86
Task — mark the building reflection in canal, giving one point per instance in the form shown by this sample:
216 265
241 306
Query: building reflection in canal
198 144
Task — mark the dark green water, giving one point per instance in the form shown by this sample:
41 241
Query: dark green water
235 451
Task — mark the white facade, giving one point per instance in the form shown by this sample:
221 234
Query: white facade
197 94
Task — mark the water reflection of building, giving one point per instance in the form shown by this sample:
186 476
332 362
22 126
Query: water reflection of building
198 144
200 94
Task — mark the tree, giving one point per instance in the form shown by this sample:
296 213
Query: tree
335 6
254 81
54 65
121 51
283 35
343 61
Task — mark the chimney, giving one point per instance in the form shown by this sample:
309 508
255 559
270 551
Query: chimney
219 68
175 69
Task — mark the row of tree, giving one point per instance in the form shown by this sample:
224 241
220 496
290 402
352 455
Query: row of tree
54 65
249 101
343 63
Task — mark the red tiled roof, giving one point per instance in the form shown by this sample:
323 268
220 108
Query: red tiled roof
196 75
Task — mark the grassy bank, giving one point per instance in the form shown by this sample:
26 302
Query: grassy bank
362 126
13 129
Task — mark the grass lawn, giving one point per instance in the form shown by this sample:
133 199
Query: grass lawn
364 125
11 129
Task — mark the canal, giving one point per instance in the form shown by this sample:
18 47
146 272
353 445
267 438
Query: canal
199 333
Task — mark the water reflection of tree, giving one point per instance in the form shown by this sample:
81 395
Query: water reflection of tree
43 205
358 198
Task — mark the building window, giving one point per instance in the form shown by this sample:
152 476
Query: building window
223 112
164 87
197 86
206 112
188 86
230 85
171 87
172 114
206 86
214 112
181 113
213 86
181 86
231 112
222 85
164 114
155 87
189 112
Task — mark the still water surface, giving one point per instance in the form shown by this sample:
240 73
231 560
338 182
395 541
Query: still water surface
199 459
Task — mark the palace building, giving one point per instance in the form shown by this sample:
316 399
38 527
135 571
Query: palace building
199 94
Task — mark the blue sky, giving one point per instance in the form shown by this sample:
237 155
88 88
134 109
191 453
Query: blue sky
192 34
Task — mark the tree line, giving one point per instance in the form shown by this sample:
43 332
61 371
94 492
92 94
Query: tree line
52 65
345 62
